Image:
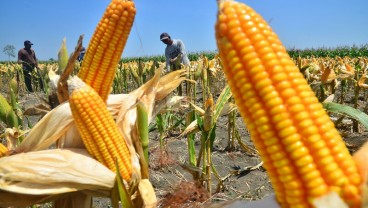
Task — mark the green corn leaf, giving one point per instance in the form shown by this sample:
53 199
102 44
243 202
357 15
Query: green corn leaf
123 193
142 123
160 123
191 139
212 136
16 115
348 111
199 122
221 101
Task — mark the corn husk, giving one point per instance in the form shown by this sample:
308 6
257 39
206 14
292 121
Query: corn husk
49 129
54 79
172 104
7 114
169 82
63 55
11 136
148 193
49 173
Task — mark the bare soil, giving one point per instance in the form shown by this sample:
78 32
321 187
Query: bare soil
251 185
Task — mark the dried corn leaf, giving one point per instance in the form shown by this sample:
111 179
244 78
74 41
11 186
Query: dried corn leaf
147 193
52 172
328 75
198 109
154 90
170 82
169 104
74 200
40 109
361 82
330 98
191 128
228 108
11 136
54 79
48 130
174 102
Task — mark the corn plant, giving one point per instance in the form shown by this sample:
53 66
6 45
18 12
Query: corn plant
205 124
166 122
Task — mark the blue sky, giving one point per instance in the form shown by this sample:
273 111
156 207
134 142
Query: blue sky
299 24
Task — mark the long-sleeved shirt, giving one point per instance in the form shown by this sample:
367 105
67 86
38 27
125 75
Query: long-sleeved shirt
173 50
28 57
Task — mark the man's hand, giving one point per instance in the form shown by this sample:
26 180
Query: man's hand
173 60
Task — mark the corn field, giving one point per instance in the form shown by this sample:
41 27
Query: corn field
339 80
110 131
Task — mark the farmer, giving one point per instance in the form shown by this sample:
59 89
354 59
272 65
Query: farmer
174 52
27 57
81 54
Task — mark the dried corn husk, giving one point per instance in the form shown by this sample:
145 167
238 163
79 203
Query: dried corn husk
51 172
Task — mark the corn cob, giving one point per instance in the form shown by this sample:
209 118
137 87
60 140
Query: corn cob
98 130
303 153
106 46
3 150
7 113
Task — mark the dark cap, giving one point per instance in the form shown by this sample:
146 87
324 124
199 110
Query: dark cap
164 36
27 42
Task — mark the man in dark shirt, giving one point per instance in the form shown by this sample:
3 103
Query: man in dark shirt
27 57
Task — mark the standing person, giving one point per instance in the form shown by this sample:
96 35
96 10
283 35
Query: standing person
27 57
174 52
81 54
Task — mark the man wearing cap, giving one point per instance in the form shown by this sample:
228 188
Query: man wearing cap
174 52
27 57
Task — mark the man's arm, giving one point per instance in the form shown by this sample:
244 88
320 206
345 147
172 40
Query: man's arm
168 60
36 61
181 47
20 57
182 53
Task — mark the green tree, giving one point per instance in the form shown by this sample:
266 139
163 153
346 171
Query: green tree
10 51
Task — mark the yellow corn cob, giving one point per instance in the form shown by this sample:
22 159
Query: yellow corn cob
303 153
3 150
106 46
98 130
